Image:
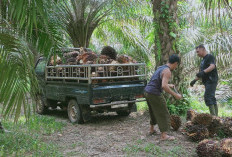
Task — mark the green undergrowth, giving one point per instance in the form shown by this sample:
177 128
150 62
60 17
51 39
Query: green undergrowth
142 106
27 138
224 110
173 109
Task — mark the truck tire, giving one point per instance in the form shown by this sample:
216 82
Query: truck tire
41 105
74 112
123 112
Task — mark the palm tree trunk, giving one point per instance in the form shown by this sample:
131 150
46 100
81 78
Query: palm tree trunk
164 22
165 33
165 19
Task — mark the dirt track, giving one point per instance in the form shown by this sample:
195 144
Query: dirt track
112 135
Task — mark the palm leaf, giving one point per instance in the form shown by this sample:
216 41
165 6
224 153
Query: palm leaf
24 34
16 63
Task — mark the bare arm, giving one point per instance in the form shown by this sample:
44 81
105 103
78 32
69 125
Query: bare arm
210 68
207 70
166 75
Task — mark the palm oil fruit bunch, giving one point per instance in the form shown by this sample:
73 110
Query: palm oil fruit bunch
208 148
73 54
226 147
215 126
203 119
227 127
197 132
175 122
190 115
109 51
88 58
188 126
103 59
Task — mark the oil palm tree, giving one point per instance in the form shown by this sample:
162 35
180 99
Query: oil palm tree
129 30
81 17
207 22
211 25
24 34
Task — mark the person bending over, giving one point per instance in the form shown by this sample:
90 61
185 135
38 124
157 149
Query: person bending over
156 102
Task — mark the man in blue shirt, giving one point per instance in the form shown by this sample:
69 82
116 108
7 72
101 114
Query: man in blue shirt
156 102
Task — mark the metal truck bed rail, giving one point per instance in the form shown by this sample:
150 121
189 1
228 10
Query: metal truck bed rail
95 72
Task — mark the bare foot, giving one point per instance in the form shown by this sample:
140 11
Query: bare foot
169 138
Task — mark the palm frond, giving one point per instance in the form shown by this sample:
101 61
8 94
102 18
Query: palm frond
25 33
35 23
128 29
81 17
18 78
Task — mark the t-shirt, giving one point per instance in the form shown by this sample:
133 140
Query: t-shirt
205 63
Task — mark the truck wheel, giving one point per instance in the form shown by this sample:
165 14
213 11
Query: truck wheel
41 105
123 112
74 112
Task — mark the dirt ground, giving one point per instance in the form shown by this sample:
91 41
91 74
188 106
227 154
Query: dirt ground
112 135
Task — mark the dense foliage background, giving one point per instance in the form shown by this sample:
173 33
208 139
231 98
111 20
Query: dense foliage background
127 25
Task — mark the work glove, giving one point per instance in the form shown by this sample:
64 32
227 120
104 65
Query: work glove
200 74
193 82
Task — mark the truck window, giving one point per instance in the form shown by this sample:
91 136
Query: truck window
40 68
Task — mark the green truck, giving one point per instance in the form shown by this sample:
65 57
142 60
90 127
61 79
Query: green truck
82 89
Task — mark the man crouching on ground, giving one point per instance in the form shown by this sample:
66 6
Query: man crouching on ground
156 102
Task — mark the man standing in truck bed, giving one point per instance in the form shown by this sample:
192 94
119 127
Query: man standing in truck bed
156 102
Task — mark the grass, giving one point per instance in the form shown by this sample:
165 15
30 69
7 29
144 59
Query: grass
25 138
223 110
150 149
142 106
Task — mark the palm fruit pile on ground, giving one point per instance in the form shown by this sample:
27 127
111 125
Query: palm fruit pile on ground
215 126
226 147
201 126
197 129
204 121
210 148
175 122
197 132
190 115
226 128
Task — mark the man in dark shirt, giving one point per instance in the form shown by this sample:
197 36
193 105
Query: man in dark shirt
208 74
153 92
